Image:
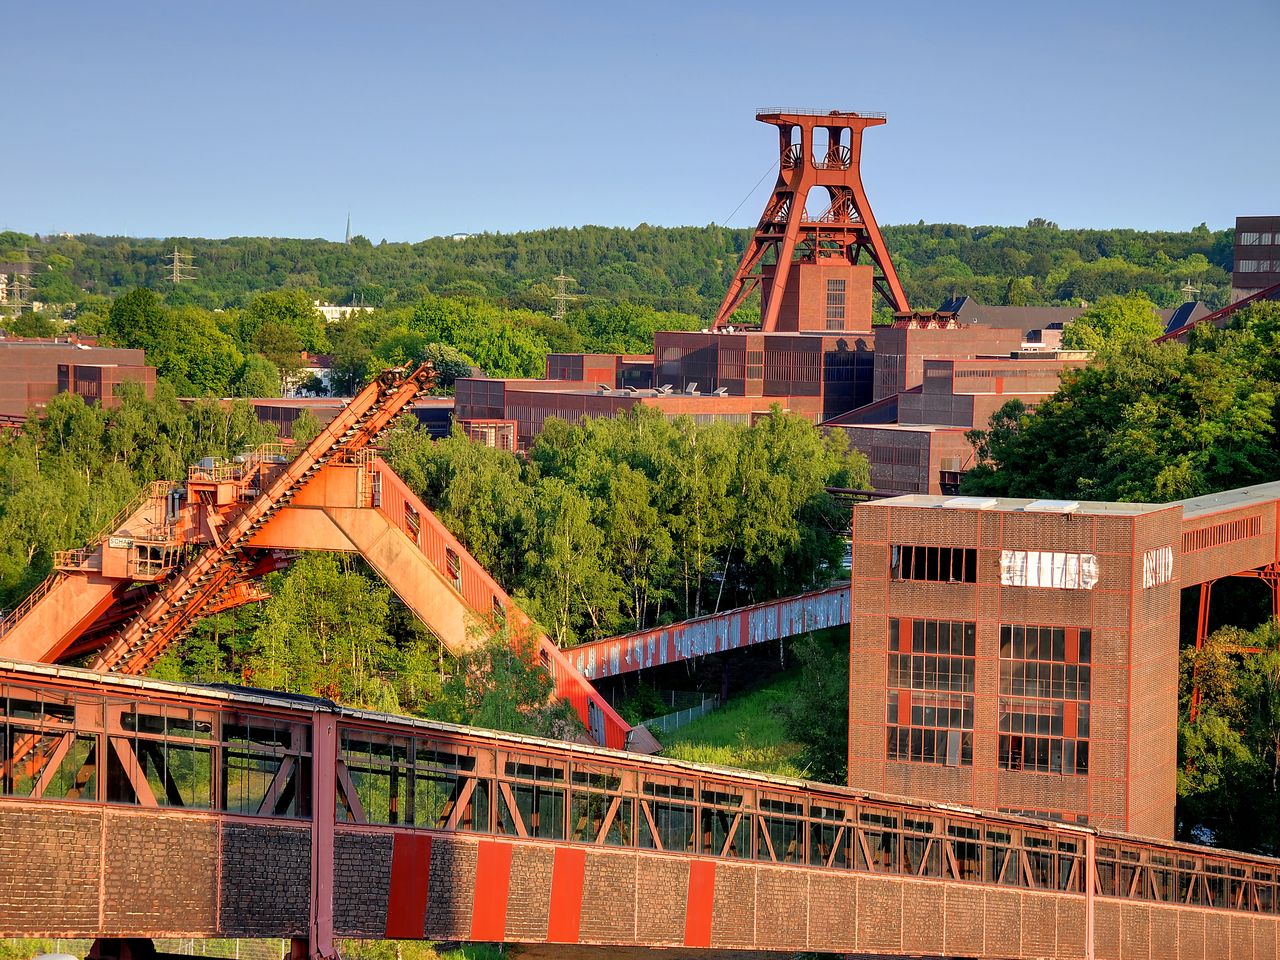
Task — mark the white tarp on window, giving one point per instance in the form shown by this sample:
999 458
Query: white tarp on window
1043 568
1157 567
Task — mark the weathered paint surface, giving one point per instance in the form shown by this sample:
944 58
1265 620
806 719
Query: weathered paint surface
716 633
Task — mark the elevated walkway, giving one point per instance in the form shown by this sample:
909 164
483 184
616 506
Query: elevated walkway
289 817
715 633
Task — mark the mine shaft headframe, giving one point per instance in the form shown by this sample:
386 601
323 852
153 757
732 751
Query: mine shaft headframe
785 229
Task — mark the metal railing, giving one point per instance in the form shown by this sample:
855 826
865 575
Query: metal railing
35 596
674 721
815 112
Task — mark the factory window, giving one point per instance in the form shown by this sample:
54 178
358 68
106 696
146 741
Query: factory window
1247 266
1157 567
934 564
1041 568
1250 238
930 700
1221 533
1045 686
835 304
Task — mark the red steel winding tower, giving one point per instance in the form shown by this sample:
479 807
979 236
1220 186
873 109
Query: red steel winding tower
817 277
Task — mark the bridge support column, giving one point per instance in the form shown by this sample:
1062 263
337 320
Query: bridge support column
1090 873
1202 634
324 751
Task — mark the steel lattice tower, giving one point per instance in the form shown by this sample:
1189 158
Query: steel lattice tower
846 230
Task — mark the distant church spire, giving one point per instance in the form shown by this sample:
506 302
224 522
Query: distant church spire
348 240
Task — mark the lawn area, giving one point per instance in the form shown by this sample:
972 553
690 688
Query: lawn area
748 732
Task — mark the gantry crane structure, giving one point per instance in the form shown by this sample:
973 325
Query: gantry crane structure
845 231
183 552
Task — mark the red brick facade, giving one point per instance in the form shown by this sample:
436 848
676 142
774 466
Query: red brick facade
1023 656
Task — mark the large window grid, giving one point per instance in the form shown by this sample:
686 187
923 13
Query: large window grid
410 781
65 746
929 709
933 564
835 304
1045 689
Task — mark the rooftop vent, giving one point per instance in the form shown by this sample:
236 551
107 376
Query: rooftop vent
1052 506
969 503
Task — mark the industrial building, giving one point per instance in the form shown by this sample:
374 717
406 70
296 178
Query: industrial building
815 352
1256 256
33 370
1022 655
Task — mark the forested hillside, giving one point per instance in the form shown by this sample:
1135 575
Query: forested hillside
682 269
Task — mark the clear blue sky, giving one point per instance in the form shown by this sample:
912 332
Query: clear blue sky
275 118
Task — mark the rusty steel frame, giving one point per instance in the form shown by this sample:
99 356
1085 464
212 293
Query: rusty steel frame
847 226
713 633
1270 575
780 821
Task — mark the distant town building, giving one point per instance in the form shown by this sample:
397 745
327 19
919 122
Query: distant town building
1256 255
332 313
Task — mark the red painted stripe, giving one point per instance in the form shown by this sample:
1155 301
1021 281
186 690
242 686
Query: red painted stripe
493 882
410 875
566 895
702 893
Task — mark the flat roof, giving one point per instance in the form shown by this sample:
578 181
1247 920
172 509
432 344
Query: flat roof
1259 493
900 427
1024 505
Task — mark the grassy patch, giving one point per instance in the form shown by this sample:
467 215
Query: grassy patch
747 733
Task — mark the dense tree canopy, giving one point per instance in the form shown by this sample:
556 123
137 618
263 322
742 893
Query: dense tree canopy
617 524
1146 422
68 474
1229 780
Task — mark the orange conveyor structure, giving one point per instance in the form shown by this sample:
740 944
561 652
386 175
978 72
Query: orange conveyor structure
180 553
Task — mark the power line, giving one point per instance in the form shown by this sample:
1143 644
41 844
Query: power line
768 171
562 295
181 266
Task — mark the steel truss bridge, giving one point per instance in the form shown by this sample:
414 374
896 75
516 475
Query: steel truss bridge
133 808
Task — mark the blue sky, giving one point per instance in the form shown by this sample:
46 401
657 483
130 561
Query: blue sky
275 118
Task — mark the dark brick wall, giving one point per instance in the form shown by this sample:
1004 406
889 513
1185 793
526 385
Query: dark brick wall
161 873
266 880
49 870
361 882
451 893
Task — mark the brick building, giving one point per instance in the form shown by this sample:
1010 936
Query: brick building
1256 255
617 370
833 369
528 404
32 370
1022 655
914 439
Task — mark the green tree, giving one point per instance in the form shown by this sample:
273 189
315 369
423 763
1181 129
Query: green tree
324 634
290 310
1145 422
818 716
1229 772
1114 322
500 686
257 377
